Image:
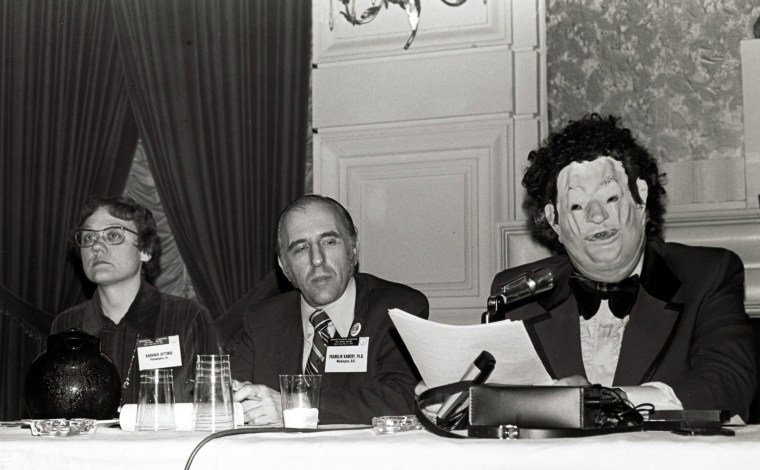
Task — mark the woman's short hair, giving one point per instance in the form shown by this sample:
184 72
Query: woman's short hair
126 208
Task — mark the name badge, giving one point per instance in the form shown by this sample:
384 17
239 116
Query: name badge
347 354
159 353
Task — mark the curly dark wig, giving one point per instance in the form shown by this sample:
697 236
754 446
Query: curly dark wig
126 208
587 139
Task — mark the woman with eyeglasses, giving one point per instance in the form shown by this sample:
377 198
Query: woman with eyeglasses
117 240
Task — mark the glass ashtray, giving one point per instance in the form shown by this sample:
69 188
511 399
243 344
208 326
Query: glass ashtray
62 427
394 424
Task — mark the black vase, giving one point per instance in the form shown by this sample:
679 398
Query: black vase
72 379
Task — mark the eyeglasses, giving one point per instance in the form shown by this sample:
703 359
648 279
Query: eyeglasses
111 235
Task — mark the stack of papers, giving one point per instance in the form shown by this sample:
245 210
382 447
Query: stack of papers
442 353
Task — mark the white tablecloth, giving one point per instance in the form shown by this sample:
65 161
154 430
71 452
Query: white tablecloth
356 449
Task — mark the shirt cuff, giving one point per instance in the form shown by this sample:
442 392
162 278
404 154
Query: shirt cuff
657 393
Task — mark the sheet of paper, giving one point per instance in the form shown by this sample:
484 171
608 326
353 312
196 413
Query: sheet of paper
442 353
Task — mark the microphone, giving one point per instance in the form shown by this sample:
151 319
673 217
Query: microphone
525 285
533 282
451 416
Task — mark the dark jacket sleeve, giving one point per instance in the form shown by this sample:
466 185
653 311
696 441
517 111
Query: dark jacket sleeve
241 351
388 386
722 370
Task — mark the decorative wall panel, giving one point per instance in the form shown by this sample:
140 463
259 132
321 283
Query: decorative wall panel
426 146
459 83
474 24
738 231
671 70
404 239
423 200
750 52
527 90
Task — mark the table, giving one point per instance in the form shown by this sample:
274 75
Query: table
356 449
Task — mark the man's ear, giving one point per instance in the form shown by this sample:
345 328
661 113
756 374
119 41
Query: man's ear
145 257
550 215
355 253
284 269
643 188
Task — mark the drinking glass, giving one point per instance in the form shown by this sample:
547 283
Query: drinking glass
155 407
299 396
212 397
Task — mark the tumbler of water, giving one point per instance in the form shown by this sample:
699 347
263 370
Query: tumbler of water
212 397
155 410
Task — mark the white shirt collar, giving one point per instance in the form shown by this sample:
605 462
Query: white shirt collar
639 266
341 311
601 340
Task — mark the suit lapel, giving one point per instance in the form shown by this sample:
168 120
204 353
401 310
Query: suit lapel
653 319
289 332
552 324
362 300
646 338
557 341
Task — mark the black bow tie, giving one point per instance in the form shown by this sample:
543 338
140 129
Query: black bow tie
589 294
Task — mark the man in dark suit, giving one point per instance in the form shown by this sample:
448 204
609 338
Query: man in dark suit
318 251
663 321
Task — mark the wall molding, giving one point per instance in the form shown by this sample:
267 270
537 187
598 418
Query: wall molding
474 24
423 198
425 146
414 88
750 53
737 230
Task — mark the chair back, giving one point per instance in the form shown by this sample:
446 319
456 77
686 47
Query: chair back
230 324
23 335
754 408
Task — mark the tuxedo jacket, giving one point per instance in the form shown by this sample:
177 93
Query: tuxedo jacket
273 339
688 327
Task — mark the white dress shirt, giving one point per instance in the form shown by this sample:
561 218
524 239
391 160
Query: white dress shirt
341 313
601 340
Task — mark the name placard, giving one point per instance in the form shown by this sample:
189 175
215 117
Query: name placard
347 354
159 353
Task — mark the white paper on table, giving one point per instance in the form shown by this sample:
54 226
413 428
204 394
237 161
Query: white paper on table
442 353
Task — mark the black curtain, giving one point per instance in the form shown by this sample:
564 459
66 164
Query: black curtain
66 131
220 92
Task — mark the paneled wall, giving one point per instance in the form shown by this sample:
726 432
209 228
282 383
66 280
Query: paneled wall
712 202
750 56
696 106
425 146
672 71
750 249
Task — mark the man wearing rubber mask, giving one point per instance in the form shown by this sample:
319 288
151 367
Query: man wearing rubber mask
664 322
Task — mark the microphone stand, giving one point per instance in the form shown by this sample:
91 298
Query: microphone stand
521 287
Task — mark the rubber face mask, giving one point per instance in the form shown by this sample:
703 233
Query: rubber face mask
597 220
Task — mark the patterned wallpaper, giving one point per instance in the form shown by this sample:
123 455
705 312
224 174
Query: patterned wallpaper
670 68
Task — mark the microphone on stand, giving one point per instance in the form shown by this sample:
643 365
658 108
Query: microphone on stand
451 414
525 285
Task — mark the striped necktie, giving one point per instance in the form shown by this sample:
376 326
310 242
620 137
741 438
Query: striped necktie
319 320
